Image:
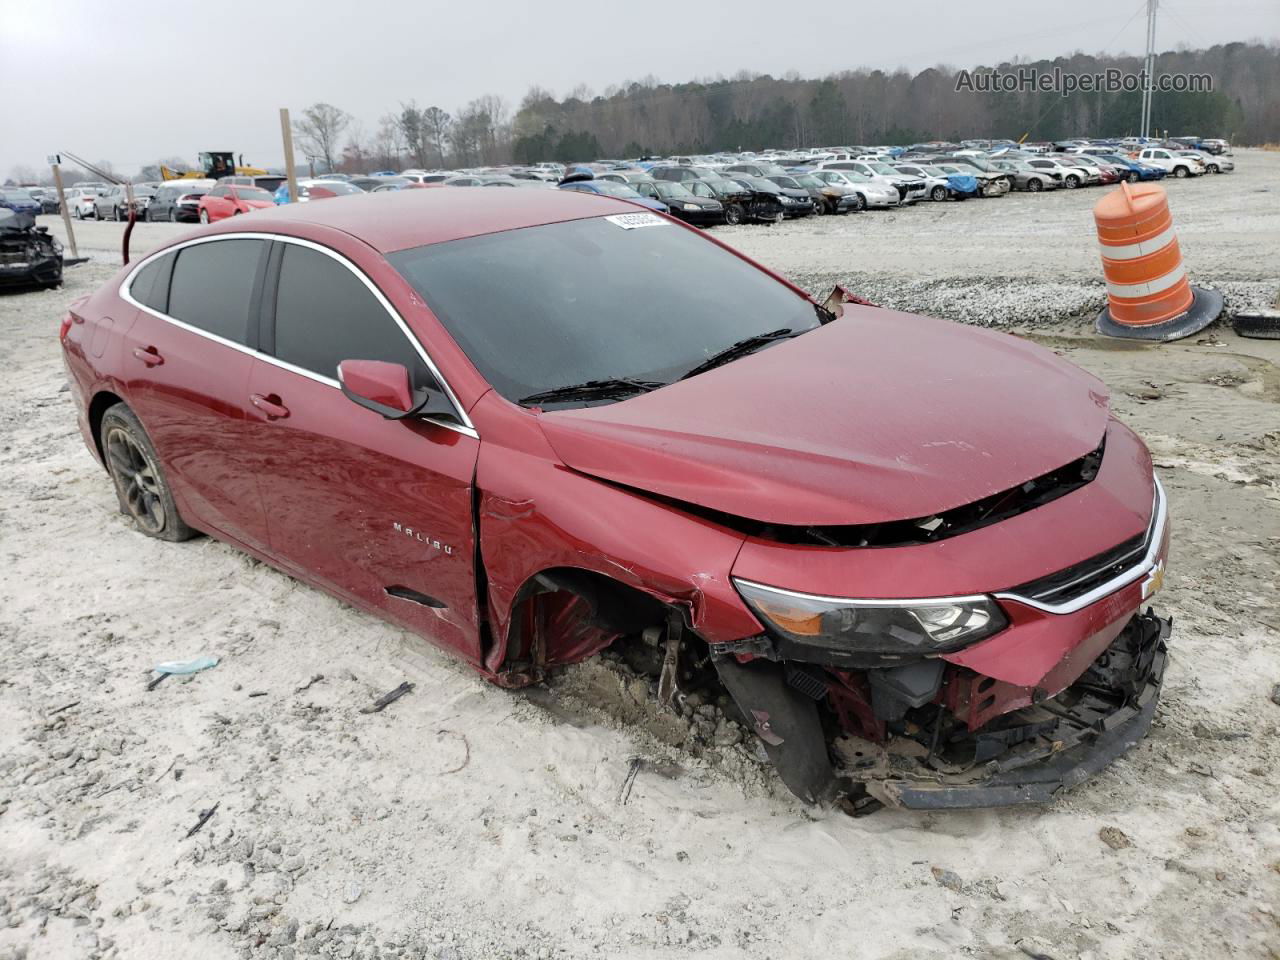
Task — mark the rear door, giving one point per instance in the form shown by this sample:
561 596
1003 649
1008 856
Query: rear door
378 510
190 350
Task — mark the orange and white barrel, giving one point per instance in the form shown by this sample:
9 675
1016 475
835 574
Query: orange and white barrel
1148 293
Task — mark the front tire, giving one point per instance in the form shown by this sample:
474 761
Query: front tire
733 214
939 194
819 208
140 483
1072 181
1213 168
115 214
860 203
1181 172
204 216
1034 186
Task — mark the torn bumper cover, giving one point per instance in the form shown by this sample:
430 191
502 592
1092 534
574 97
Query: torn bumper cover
1036 753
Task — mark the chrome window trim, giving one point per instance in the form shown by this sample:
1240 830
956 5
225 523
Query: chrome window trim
466 428
1159 518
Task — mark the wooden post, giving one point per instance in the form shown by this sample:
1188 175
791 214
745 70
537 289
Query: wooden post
286 132
62 205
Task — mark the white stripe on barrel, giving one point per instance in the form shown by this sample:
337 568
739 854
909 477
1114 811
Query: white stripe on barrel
1131 251
1148 288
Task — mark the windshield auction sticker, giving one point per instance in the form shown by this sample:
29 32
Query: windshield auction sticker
629 221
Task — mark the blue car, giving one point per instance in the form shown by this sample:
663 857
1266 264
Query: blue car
1144 171
608 188
19 201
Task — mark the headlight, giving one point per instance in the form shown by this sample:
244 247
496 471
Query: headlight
874 626
691 207
787 200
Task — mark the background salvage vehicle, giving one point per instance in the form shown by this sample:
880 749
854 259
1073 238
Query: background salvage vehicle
178 201
113 204
869 192
28 255
941 184
681 202
959 627
733 196
1027 177
19 201
231 200
827 197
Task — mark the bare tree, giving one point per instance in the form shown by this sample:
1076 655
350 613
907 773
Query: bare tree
320 130
436 124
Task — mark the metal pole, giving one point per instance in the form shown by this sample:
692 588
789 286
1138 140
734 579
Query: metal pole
1149 66
66 214
286 133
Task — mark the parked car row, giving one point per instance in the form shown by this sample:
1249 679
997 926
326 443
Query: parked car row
732 188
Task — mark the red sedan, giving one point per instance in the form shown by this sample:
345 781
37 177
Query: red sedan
228 200
533 425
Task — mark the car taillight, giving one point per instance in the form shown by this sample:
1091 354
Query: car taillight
65 328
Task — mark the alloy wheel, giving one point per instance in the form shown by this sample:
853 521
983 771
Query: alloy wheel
136 479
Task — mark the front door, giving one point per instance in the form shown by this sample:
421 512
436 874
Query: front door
378 510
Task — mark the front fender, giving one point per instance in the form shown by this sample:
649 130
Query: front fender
534 514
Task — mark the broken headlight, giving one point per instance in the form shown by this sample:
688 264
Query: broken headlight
874 626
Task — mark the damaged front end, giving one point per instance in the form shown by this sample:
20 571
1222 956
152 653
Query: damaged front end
905 736
28 254
968 701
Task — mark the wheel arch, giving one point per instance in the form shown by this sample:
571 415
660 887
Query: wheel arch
102 401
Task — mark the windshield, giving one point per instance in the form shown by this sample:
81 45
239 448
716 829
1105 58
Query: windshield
787 182
809 180
884 168
14 195
566 303
334 186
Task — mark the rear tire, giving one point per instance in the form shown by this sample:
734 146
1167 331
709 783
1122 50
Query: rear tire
204 216
139 480
116 215
1133 176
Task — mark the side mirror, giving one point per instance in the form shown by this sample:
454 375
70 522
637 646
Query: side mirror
385 389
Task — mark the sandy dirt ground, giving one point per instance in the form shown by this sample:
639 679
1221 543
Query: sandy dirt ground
468 822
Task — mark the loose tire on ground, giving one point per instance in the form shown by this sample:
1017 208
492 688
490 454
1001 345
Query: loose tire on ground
141 487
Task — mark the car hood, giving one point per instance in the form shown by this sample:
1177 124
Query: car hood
877 416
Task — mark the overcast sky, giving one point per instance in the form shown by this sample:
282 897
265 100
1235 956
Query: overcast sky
132 81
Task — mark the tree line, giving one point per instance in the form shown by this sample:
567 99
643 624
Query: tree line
752 111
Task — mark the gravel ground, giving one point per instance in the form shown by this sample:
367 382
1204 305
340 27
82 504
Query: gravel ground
468 822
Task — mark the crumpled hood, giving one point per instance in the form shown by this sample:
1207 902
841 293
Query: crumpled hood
877 416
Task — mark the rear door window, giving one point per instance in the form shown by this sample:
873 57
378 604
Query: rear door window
213 286
326 314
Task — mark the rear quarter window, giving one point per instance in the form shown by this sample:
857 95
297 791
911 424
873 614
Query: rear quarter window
213 285
150 285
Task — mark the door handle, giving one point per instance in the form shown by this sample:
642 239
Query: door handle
271 406
148 355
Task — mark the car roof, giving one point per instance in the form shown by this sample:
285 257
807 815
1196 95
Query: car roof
400 219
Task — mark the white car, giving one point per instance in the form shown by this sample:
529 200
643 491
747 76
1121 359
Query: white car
871 193
1172 162
1211 163
1070 171
80 202
909 189
936 187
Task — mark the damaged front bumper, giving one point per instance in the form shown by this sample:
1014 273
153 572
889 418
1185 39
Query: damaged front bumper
1031 755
